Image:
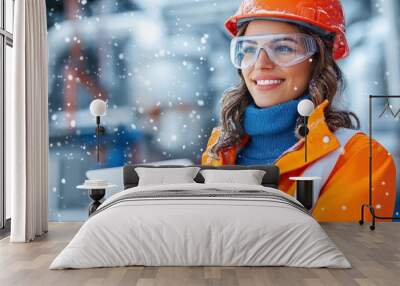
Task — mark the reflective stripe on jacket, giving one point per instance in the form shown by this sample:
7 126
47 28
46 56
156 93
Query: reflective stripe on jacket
344 155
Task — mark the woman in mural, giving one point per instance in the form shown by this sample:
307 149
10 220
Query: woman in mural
286 51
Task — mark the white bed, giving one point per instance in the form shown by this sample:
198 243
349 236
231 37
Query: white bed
225 225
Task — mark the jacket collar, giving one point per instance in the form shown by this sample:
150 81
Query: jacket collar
320 142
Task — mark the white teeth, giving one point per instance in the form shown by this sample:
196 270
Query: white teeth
268 82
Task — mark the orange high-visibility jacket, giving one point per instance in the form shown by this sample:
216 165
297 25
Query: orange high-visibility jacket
343 167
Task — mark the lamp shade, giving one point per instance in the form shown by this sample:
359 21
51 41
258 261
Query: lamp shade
305 107
98 107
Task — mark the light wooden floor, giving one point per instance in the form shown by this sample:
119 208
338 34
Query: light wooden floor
375 257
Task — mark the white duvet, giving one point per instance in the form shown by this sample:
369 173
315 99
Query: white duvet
185 231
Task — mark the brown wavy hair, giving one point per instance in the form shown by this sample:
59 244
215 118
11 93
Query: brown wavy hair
327 82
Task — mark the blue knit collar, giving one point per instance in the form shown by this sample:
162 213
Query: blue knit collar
271 131
273 119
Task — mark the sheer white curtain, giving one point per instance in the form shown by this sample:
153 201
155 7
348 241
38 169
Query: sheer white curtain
27 123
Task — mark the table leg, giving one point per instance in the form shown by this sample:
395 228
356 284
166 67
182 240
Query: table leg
304 193
96 195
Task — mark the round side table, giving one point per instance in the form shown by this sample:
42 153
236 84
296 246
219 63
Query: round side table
305 190
96 193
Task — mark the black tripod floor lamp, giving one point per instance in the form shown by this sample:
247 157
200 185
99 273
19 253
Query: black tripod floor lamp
370 204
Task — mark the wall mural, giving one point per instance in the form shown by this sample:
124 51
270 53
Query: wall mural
169 76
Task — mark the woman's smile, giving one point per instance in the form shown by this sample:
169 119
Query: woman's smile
264 83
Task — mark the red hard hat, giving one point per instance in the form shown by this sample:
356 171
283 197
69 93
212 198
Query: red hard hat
322 15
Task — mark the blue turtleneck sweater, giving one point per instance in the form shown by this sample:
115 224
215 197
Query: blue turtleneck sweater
271 131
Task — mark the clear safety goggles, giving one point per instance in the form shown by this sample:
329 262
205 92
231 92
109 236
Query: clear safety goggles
284 50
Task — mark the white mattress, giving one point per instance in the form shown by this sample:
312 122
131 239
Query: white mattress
189 231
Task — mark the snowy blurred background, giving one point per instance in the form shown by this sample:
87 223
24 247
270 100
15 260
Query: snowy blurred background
163 66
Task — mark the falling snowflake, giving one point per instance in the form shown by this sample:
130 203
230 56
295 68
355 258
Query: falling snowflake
204 39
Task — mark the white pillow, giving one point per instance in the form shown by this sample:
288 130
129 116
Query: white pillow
163 176
248 177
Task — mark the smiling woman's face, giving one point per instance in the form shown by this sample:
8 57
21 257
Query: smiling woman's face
288 83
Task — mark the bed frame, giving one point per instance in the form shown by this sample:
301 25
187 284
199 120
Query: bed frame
270 179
